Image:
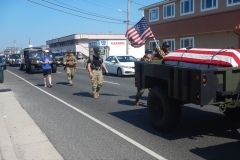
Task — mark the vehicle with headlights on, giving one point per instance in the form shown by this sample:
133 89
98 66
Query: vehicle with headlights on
14 60
31 60
120 65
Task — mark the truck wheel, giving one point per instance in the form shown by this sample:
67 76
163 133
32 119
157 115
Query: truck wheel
54 68
233 113
164 112
119 72
32 69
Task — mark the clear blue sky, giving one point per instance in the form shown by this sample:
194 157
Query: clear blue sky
22 19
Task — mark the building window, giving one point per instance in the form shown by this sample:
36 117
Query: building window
169 11
186 42
153 14
186 7
233 2
171 43
152 45
209 4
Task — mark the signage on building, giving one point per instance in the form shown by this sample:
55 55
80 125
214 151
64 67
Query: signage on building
103 43
117 43
84 36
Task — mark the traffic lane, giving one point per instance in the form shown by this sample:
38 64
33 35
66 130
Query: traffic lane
192 116
113 77
73 135
137 126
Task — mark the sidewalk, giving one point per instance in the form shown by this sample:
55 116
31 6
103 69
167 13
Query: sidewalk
20 137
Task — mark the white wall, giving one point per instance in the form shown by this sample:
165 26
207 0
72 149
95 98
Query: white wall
118 47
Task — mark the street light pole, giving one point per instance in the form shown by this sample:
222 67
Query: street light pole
128 19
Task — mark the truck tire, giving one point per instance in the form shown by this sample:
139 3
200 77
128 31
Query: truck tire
233 113
32 69
54 68
119 72
164 112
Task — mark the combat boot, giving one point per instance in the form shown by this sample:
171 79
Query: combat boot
95 95
136 102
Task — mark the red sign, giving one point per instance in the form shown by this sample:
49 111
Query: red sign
117 43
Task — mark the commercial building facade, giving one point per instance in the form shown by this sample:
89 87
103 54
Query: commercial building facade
79 43
197 23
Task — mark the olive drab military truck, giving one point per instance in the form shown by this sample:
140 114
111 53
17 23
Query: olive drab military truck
173 85
30 60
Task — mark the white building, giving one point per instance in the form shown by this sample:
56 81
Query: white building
79 44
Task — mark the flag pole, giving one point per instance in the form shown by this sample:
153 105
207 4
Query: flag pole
153 37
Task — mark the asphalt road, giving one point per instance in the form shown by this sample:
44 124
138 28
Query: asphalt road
112 127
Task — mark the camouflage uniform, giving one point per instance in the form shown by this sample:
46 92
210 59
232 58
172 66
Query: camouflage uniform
159 54
141 90
71 69
97 81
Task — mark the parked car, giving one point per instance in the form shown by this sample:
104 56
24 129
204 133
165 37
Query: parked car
14 60
120 65
3 63
58 57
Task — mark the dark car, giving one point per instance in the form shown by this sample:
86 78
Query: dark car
58 57
3 63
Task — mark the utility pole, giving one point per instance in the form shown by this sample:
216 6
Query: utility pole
128 20
14 41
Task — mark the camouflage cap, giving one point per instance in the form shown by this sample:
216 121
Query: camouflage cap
69 51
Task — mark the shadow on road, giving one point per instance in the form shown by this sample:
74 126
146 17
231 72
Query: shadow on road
62 83
195 124
223 151
87 94
131 103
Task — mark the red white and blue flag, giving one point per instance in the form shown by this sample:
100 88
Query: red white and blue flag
139 33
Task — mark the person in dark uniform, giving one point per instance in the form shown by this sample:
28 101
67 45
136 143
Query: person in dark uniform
146 57
94 67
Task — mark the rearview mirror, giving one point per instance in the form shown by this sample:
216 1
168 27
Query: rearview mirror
113 61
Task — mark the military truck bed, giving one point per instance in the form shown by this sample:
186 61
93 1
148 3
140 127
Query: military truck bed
188 84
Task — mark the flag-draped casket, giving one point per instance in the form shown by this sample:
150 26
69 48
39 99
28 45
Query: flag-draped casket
204 58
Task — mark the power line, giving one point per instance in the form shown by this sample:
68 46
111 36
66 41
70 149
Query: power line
106 4
85 12
137 3
99 5
73 14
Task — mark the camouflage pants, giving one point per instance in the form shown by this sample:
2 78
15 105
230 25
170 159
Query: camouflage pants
139 94
70 73
97 80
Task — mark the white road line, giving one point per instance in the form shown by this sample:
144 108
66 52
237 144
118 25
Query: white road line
99 122
111 82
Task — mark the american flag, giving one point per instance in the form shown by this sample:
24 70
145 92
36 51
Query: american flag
139 33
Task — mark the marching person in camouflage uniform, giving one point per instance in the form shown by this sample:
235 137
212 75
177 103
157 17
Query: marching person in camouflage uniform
162 52
94 67
146 57
70 63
